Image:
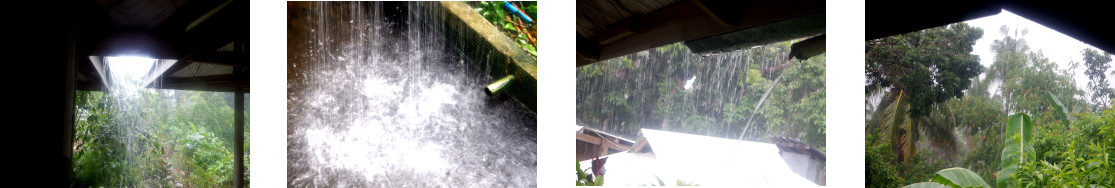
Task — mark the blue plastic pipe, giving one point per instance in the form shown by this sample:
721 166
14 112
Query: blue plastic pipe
509 6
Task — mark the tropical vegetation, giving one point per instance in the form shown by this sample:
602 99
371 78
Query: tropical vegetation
521 30
160 138
1020 122
748 93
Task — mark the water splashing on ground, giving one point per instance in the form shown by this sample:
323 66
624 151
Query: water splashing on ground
376 98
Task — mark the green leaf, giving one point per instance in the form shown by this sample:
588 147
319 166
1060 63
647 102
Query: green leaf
959 177
926 185
599 181
1016 147
1058 107
193 127
953 177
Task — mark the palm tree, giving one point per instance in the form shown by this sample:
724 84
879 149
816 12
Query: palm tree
1010 59
893 119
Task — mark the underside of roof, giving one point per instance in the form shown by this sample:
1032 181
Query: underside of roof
612 28
793 145
592 143
200 44
1077 20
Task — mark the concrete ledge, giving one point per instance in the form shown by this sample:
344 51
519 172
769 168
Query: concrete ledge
485 44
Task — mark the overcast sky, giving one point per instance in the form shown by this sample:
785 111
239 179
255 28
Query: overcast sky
1057 47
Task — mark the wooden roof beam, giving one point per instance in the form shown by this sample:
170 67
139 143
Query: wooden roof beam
226 25
610 144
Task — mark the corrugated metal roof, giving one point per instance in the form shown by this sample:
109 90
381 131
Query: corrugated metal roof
702 160
227 48
196 69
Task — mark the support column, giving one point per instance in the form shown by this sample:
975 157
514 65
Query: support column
68 119
238 139
238 149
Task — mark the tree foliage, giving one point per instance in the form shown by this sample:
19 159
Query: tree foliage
1096 65
161 139
920 71
880 171
1059 143
930 66
1079 156
523 32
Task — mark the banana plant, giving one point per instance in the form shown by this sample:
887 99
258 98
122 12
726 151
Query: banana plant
1059 107
1017 148
954 178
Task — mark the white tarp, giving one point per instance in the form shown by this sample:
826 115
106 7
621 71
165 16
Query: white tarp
703 160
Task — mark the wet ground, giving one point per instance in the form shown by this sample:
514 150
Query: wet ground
377 99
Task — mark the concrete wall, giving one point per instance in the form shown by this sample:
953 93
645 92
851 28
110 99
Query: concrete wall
484 44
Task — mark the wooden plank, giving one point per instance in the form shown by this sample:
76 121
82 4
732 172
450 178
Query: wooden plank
588 138
681 12
227 25
614 145
587 51
602 143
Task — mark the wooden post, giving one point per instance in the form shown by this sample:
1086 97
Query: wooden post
68 119
238 138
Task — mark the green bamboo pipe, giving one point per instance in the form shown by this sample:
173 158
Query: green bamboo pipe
495 87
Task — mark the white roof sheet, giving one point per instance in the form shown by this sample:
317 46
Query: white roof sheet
702 160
